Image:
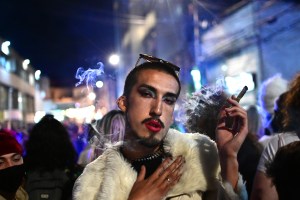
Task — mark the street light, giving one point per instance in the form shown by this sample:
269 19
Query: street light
25 64
99 84
4 47
37 74
114 59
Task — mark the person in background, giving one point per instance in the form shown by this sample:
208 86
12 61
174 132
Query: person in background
112 125
88 153
156 162
254 120
269 91
275 124
262 186
106 131
50 155
251 149
12 171
202 110
284 171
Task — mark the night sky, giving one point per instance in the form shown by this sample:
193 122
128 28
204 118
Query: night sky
59 36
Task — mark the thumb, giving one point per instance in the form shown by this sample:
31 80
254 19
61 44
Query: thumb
142 173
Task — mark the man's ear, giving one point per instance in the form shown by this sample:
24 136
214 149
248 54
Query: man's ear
122 103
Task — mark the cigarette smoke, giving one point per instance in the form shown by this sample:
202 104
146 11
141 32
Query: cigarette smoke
99 140
109 130
96 138
90 76
202 108
207 96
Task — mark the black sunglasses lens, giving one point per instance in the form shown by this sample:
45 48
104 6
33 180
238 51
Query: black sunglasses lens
154 59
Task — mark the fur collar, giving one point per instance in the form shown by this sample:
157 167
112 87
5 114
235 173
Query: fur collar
201 169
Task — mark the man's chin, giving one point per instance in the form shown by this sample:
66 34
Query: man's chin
150 143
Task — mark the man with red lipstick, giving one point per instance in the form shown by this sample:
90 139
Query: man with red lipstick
156 162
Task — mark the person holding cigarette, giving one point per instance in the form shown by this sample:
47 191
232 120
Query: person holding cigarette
202 109
157 162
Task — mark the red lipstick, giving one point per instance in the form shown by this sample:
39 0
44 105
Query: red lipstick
153 126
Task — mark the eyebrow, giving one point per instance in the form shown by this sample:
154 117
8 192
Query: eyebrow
16 154
13 155
170 94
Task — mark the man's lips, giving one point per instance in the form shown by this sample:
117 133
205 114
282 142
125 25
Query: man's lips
153 125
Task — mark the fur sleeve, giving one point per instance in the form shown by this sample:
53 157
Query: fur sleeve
240 194
88 183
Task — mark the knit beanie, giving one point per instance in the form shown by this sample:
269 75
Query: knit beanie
8 143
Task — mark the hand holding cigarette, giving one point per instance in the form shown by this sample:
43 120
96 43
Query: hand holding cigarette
241 94
229 120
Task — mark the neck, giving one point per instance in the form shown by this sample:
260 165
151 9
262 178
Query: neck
133 150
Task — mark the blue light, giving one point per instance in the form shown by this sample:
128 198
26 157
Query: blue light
196 75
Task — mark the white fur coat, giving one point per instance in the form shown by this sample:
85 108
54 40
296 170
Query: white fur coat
111 177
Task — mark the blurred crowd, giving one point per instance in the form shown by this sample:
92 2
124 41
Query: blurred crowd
51 149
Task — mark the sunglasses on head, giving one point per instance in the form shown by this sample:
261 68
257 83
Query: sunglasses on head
153 59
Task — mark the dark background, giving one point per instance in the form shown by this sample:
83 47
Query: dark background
59 36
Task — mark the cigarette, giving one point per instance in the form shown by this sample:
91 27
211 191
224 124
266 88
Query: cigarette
241 94
229 120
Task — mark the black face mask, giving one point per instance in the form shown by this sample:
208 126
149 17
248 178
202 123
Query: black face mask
11 178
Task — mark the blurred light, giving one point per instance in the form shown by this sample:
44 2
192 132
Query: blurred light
25 64
204 24
31 79
4 47
20 99
37 74
72 112
236 83
114 59
92 96
99 84
80 114
38 116
224 68
43 94
98 115
77 105
178 10
58 114
196 79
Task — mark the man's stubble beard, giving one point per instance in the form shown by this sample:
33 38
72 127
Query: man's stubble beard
149 142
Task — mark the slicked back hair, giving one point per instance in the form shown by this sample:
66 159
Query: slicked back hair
132 77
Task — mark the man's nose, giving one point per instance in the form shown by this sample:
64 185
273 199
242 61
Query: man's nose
156 108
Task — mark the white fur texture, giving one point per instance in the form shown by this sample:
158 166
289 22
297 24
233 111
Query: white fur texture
111 177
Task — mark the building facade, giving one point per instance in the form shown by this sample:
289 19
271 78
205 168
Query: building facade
18 89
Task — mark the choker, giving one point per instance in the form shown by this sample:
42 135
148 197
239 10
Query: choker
149 157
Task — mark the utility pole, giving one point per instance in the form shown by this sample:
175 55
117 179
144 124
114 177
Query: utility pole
196 34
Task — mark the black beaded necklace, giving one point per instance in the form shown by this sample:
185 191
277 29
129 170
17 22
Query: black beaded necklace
151 161
150 157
